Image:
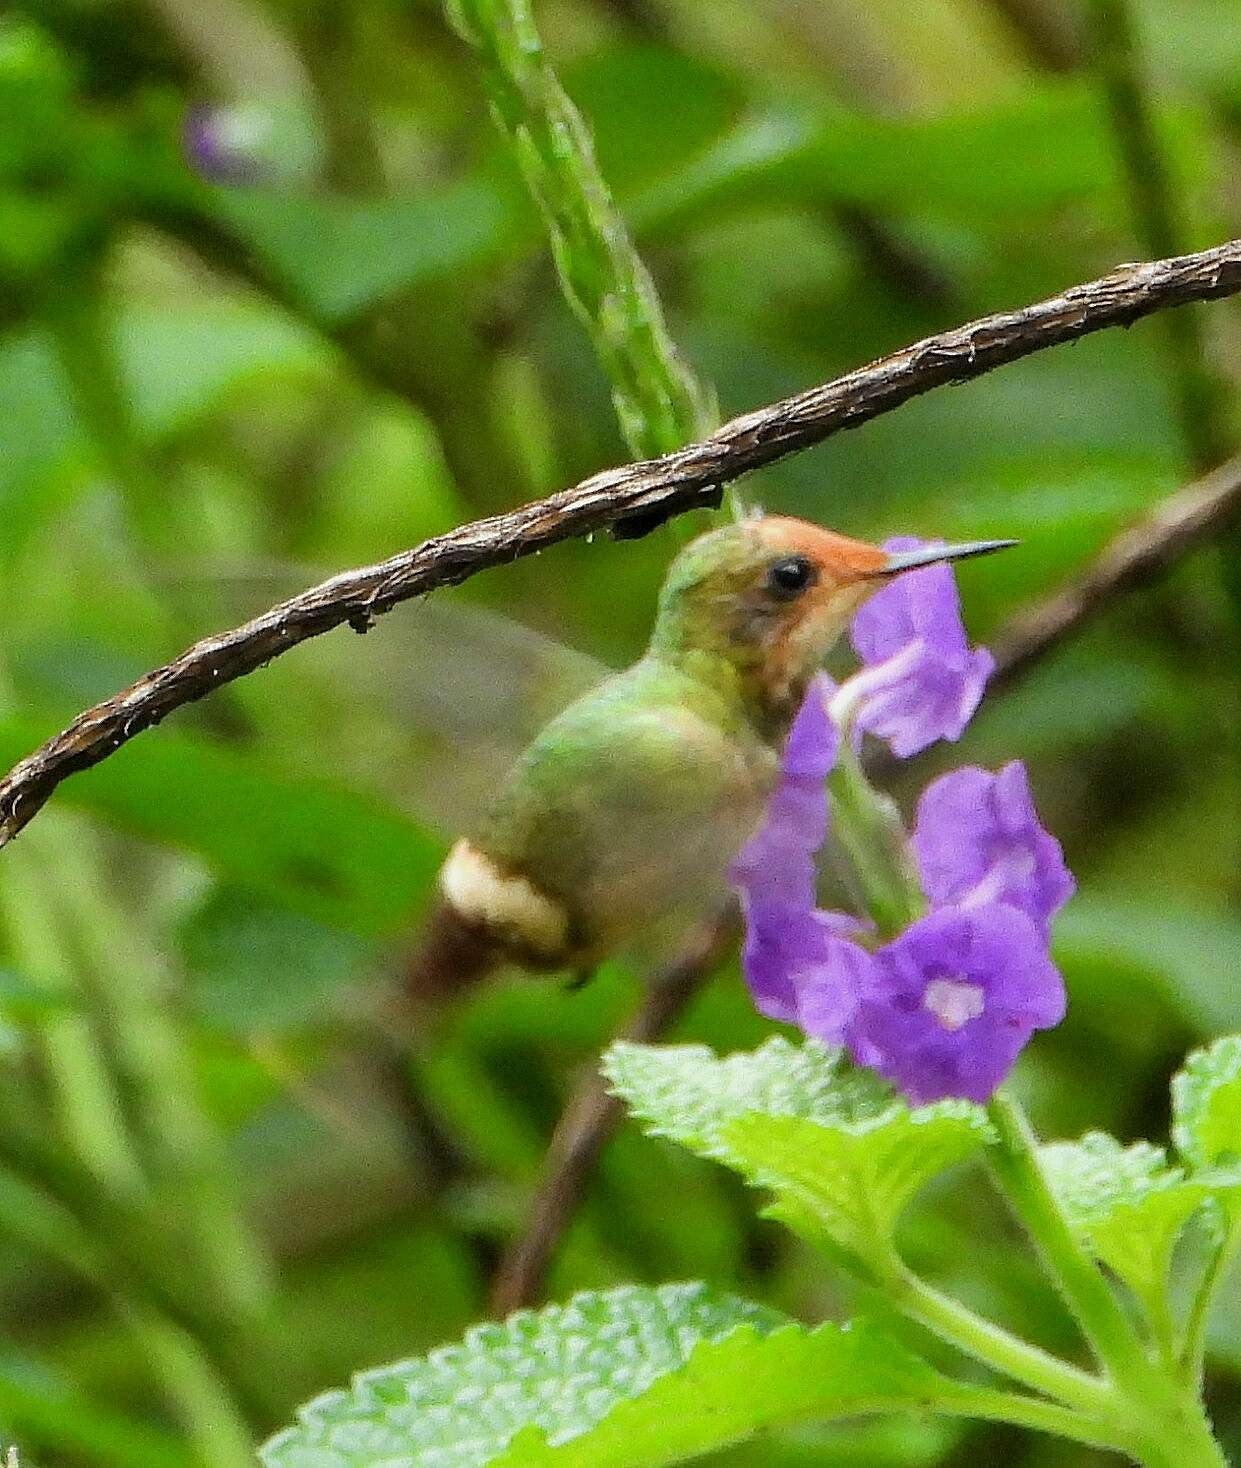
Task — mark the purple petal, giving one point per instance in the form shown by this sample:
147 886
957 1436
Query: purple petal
923 698
953 1001
774 937
813 741
785 937
777 863
829 989
977 839
922 681
921 604
789 948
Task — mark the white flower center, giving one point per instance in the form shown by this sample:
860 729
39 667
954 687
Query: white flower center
953 1002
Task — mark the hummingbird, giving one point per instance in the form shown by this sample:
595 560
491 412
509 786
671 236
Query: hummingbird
622 817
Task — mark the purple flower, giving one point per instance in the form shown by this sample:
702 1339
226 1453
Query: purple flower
271 140
922 681
777 863
977 839
945 1008
949 1005
218 145
775 873
790 952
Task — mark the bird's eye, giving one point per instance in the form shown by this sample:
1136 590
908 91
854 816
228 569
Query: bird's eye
790 577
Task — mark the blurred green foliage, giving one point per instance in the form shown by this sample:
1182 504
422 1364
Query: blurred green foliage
216 1198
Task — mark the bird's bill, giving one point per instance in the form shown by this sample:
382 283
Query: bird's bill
930 555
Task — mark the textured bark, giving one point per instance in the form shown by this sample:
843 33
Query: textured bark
627 500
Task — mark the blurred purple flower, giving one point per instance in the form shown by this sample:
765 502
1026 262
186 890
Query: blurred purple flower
218 144
922 681
272 140
977 839
947 1007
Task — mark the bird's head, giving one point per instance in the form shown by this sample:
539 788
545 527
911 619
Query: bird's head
769 596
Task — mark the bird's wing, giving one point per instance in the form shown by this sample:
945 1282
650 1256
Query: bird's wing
462 689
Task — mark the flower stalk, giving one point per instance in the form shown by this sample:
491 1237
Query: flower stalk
942 1007
1136 1406
868 828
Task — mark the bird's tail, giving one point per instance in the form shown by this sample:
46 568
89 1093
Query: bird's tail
452 954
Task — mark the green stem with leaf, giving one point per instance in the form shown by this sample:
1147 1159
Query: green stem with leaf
659 402
1193 1343
993 1346
1168 1417
1153 1413
1015 1166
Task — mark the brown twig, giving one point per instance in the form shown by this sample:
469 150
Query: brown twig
1045 31
589 1119
1185 519
626 499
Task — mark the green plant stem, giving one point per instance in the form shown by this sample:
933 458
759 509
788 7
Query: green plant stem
182 1151
1042 1417
86 1107
1168 1418
659 402
993 1346
60 1422
121 1249
104 1223
1194 1340
1162 1326
220 1436
868 828
1098 1312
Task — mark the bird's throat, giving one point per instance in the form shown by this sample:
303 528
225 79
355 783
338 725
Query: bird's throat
767 694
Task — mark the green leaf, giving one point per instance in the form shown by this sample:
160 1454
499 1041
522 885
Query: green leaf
254 965
180 363
635 144
635 1377
1206 1105
842 1154
851 1181
338 255
23 1000
1126 1203
338 856
1041 150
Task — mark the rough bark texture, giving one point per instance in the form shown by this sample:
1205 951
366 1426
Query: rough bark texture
626 500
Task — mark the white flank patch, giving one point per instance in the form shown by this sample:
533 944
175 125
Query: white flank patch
482 894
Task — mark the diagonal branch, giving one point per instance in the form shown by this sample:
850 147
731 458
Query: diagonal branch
628 500
590 1117
1187 518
